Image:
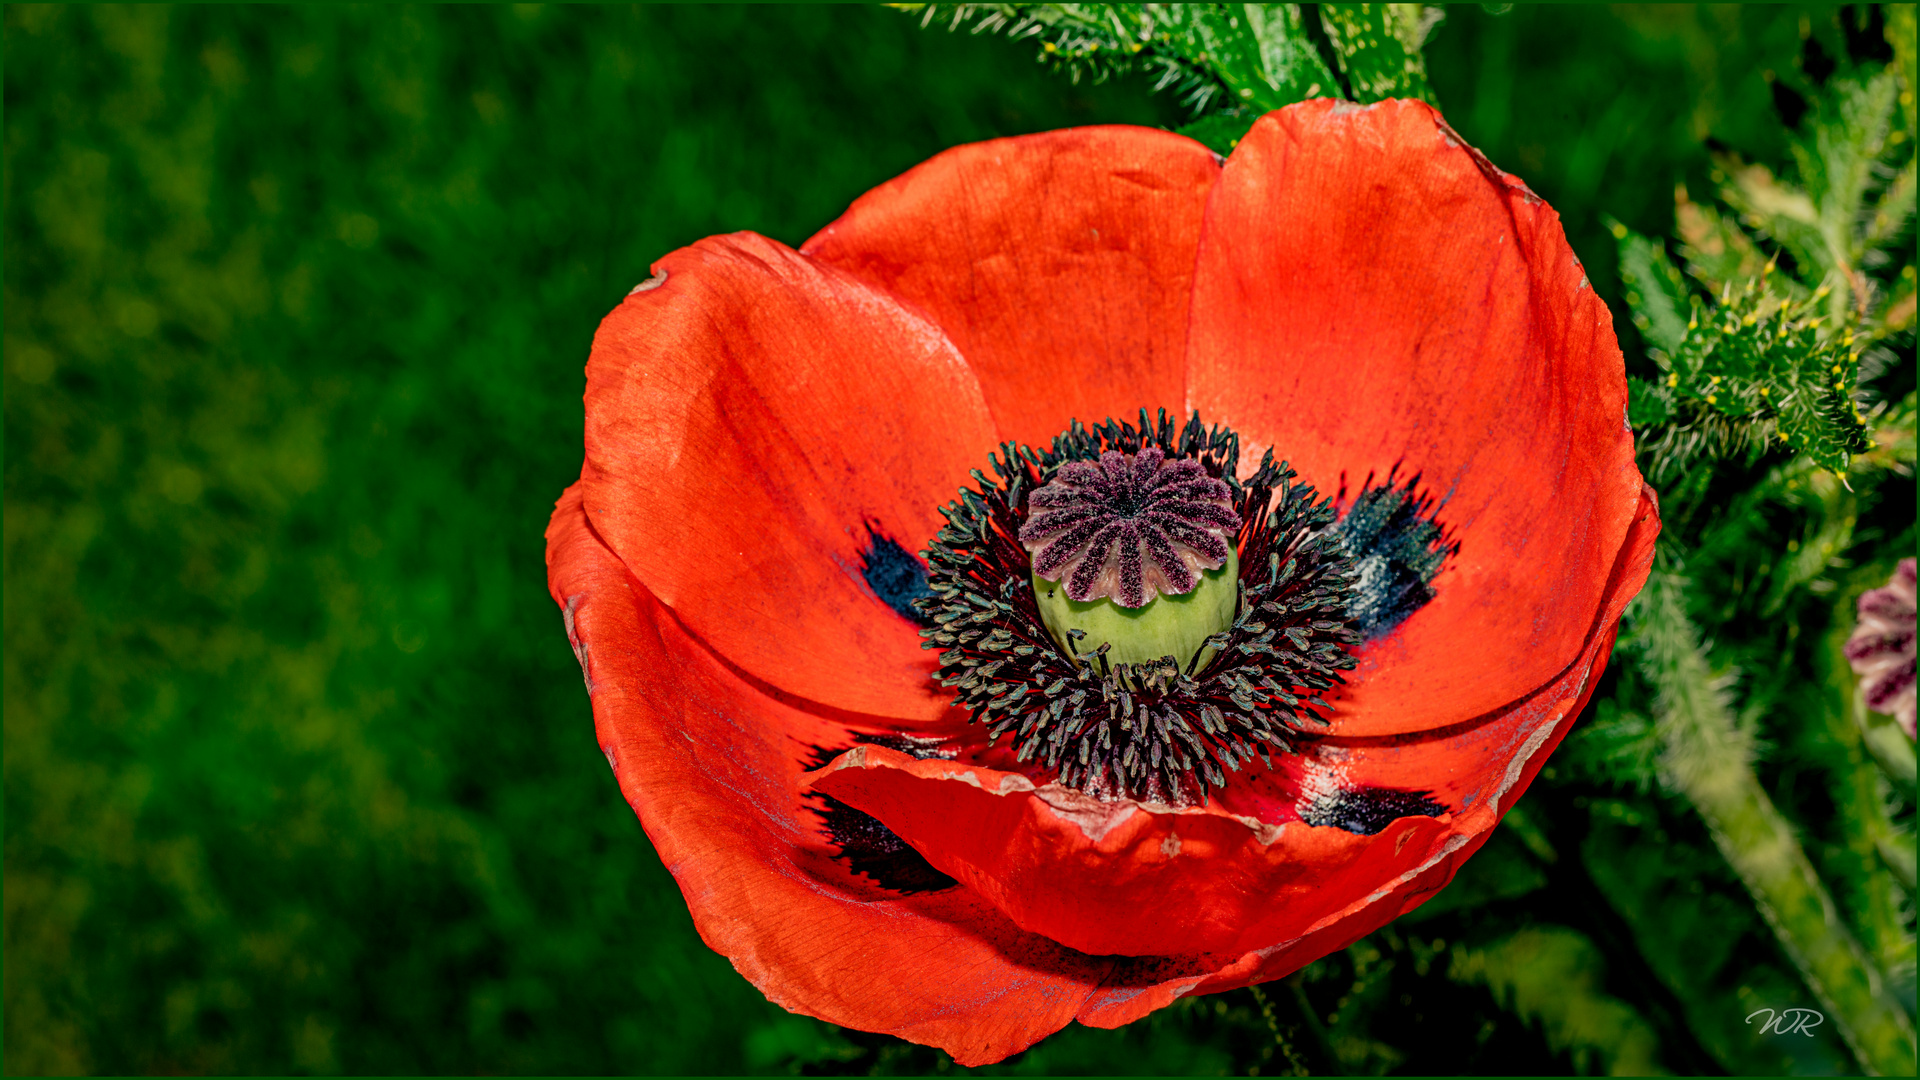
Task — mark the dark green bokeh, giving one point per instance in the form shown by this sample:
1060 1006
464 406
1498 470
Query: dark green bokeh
298 771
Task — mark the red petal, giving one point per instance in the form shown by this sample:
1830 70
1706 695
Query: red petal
713 769
1233 877
1371 294
1118 877
747 421
1492 761
1060 264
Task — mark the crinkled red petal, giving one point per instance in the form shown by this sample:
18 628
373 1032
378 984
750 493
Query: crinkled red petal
752 420
1119 877
1374 297
1060 264
1518 739
713 767
1244 873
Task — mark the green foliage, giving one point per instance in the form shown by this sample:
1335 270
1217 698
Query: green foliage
1843 209
1223 58
299 775
1750 370
1693 921
1705 754
1752 365
1777 356
1554 977
1229 63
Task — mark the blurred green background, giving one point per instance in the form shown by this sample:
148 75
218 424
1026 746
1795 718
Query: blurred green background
299 776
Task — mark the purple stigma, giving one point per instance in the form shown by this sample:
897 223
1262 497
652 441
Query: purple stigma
1129 526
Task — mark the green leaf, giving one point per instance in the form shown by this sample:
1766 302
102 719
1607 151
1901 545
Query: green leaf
1617 747
1779 211
1554 976
1293 66
1717 251
1853 123
1892 210
1378 46
1656 294
1260 53
1826 220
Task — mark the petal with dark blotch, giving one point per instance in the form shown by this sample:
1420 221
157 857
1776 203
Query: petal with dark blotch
1122 878
712 764
1244 873
749 421
1478 770
1372 294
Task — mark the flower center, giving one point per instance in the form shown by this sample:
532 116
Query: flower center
1134 550
1132 616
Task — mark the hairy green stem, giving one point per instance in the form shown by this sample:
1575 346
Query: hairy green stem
1706 756
1887 745
1867 791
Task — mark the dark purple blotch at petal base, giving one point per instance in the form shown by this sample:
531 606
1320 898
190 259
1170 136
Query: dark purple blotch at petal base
865 845
1366 811
1398 546
871 849
894 575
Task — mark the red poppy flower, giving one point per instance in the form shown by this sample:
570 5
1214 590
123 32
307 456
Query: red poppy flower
770 432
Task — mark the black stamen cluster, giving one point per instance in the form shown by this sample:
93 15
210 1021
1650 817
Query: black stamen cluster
1153 731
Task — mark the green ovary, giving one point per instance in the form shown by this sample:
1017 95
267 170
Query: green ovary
1175 626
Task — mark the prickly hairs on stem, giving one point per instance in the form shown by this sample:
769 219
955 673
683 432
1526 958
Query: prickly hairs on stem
1163 730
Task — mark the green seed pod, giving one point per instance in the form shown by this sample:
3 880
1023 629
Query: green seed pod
1176 626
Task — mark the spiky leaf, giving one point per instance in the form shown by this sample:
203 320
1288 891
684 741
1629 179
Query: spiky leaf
1754 368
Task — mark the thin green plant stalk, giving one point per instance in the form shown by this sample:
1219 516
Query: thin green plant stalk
1707 757
1865 801
1889 747
1892 754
